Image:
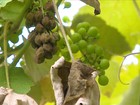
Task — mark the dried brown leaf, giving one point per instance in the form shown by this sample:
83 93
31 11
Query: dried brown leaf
74 83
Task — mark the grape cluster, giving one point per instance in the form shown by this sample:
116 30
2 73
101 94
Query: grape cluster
42 39
83 42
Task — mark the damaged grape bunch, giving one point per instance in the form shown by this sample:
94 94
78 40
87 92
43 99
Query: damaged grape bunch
42 39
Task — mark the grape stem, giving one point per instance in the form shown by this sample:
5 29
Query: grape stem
62 30
6 27
122 65
41 5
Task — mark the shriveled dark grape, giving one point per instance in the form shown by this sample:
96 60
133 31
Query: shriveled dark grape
49 6
38 40
52 40
54 50
45 21
39 28
45 37
40 55
48 55
52 24
38 16
47 47
31 38
30 19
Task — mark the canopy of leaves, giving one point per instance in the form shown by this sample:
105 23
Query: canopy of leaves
118 25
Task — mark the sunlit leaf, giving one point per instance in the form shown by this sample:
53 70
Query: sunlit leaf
19 81
42 91
50 103
4 2
35 92
15 11
132 97
122 14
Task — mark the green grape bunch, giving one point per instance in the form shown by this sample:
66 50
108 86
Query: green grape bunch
83 41
42 38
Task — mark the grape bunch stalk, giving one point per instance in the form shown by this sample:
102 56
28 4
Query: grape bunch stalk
42 39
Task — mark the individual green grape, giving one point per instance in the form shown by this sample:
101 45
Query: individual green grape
92 32
82 32
82 44
65 53
90 49
22 63
97 36
98 50
66 19
104 64
61 43
14 38
103 80
76 37
85 25
67 5
74 48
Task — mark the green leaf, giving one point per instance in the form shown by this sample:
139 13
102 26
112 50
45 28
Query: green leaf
43 90
15 11
111 39
122 15
34 70
19 81
4 2
35 92
132 97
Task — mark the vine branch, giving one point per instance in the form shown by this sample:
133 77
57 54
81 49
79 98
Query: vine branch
20 53
136 6
62 30
124 57
6 28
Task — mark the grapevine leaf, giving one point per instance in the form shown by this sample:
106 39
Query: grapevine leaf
95 4
109 35
35 92
19 81
123 15
132 97
42 90
14 11
37 71
4 2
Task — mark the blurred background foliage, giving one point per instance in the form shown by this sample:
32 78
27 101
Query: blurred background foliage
119 26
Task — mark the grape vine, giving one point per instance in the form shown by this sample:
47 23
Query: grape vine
47 43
